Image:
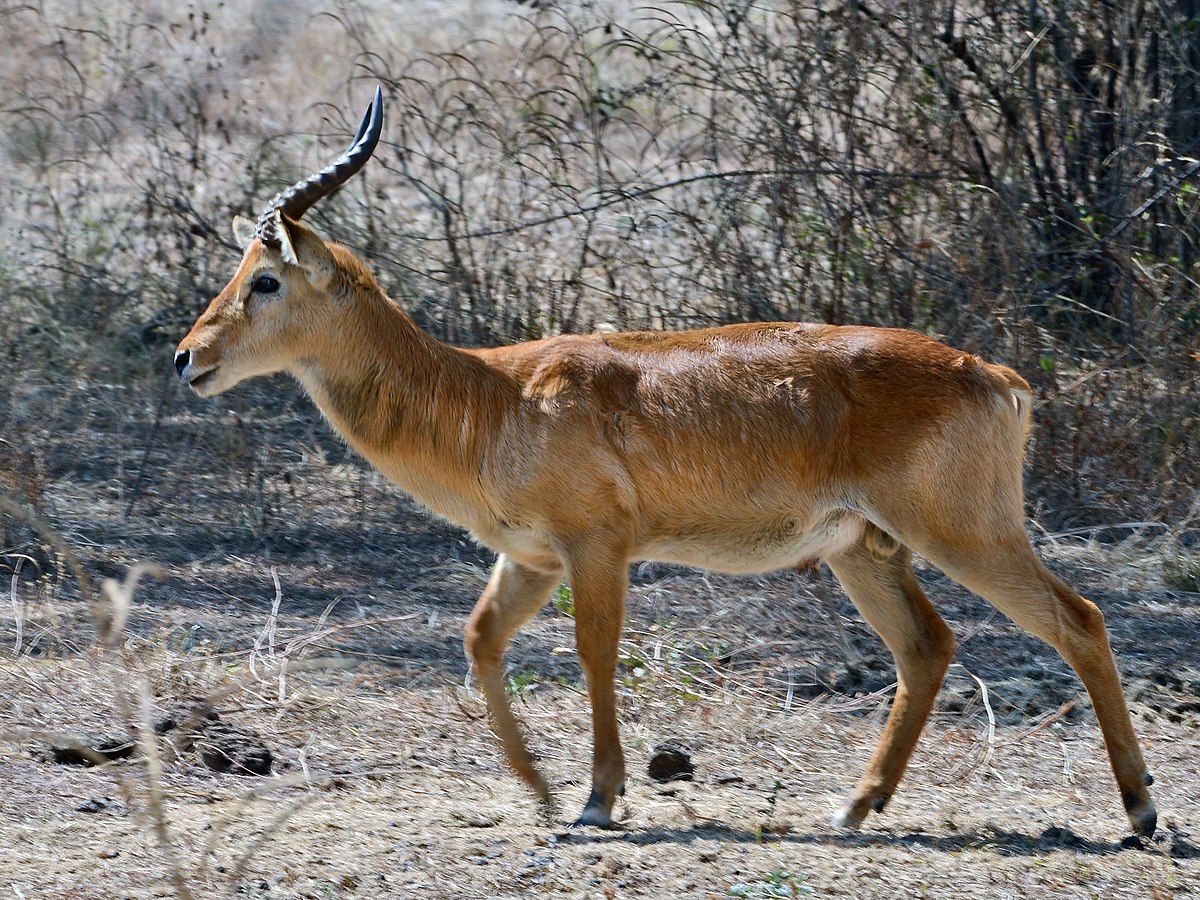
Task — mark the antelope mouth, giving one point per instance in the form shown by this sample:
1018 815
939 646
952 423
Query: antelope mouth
198 383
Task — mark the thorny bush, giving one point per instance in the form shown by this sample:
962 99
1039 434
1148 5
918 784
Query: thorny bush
1020 180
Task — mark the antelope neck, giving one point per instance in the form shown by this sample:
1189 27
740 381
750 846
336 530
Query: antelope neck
420 411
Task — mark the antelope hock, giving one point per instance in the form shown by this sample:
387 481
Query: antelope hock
743 448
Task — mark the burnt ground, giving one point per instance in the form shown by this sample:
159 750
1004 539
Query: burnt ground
317 614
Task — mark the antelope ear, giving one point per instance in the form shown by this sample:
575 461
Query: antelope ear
281 231
243 231
309 250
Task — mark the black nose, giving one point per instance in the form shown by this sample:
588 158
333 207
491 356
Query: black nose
182 358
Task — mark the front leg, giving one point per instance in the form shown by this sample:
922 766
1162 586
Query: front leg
513 594
598 582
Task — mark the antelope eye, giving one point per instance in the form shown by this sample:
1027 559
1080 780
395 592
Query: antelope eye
265 284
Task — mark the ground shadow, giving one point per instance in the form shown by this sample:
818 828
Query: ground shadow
1003 842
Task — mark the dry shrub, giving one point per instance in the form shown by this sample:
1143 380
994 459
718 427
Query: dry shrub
1019 184
1017 180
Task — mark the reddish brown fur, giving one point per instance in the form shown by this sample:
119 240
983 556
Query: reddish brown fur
742 448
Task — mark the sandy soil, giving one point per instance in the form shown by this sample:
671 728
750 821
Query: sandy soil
320 611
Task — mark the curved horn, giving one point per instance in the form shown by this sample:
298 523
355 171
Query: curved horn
296 200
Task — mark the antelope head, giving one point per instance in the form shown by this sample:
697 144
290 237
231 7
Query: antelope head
279 299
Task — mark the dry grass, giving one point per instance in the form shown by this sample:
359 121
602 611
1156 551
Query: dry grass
387 782
390 792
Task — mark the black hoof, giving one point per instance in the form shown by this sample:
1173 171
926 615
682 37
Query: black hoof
1145 823
596 814
608 825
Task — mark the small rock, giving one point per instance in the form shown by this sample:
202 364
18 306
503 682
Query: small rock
91 749
229 748
101 804
671 762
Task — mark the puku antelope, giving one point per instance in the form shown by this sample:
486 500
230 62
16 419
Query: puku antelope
743 448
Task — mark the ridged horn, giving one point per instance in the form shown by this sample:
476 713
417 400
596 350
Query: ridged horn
296 200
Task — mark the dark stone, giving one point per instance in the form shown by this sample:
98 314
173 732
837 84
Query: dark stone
92 749
671 762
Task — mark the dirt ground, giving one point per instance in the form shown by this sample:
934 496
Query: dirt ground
319 612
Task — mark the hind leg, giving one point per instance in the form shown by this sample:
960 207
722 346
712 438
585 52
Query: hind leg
1009 575
885 591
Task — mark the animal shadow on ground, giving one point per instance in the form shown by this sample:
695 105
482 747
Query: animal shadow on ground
1003 842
